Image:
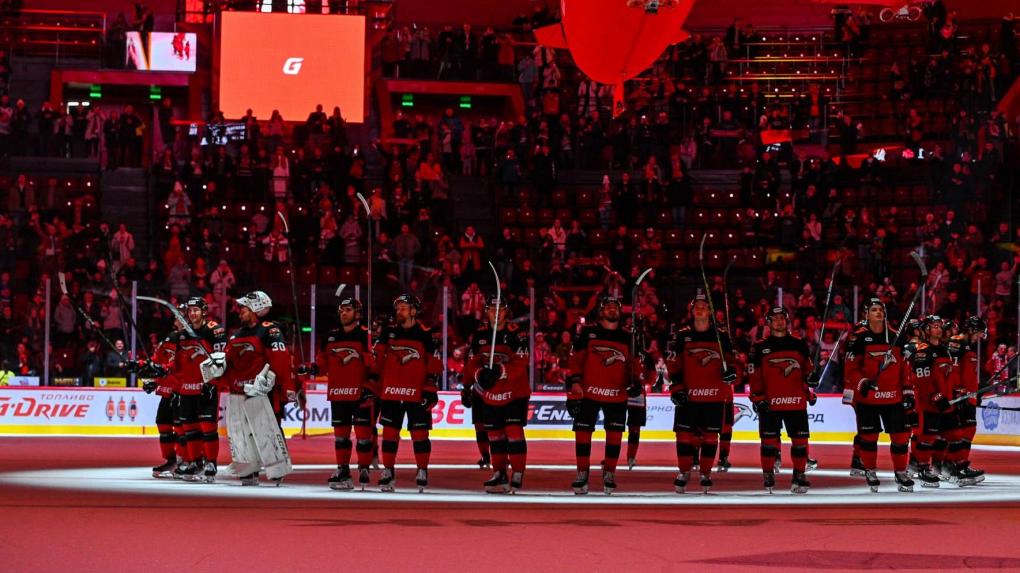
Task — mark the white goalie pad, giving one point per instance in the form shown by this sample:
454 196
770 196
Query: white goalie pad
256 442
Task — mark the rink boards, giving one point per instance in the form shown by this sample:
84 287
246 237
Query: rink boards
131 412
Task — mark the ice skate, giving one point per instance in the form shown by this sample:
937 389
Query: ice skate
498 483
191 473
484 462
857 468
680 483
903 482
364 478
777 467
580 483
631 462
341 480
209 472
724 465
872 479
812 464
609 482
516 482
799 483
421 479
387 480
770 481
164 470
928 476
250 479
706 483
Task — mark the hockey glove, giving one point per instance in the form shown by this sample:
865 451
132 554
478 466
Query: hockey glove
729 375
265 380
429 398
308 369
814 379
866 385
465 397
150 386
634 390
909 403
760 407
941 402
679 398
488 377
574 407
812 398
214 366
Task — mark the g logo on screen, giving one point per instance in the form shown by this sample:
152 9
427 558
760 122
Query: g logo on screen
292 66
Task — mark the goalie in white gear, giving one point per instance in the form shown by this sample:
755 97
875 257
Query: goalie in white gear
256 371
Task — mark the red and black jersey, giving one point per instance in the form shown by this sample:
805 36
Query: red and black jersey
933 374
602 358
778 367
965 355
511 353
865 354
248 350
346 363
406 363
185 376
695 365
163 355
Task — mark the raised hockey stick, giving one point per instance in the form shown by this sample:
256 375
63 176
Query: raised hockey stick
889 359
499 299
825 313
179 318
726 297
711 305
633 319
293 285
368 266
88 319
125 310
987 388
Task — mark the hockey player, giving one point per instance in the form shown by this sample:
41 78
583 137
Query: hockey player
876 382
700 390
602 375
935 377
199 402
964 350
504 391
255 362
407 369
778 367
162 358
471 400
346 362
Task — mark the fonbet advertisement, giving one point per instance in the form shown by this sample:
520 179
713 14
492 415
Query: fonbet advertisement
291 63
129 411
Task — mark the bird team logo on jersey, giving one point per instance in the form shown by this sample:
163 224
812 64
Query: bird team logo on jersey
244 347
945 365
349 354
411 353
611 355
740 412
196 351
706 355
499 358
788 365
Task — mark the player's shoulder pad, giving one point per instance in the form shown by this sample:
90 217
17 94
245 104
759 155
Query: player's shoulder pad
271 328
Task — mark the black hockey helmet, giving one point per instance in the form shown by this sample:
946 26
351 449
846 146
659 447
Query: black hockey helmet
408 299
778 311
349 301
975 324
197 301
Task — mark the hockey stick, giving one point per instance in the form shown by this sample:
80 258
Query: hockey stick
726 297
179 318
293 286
495 323
708 297
987 387
889 359
125 311
368 267
88 319
633 320
835 350
825 313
